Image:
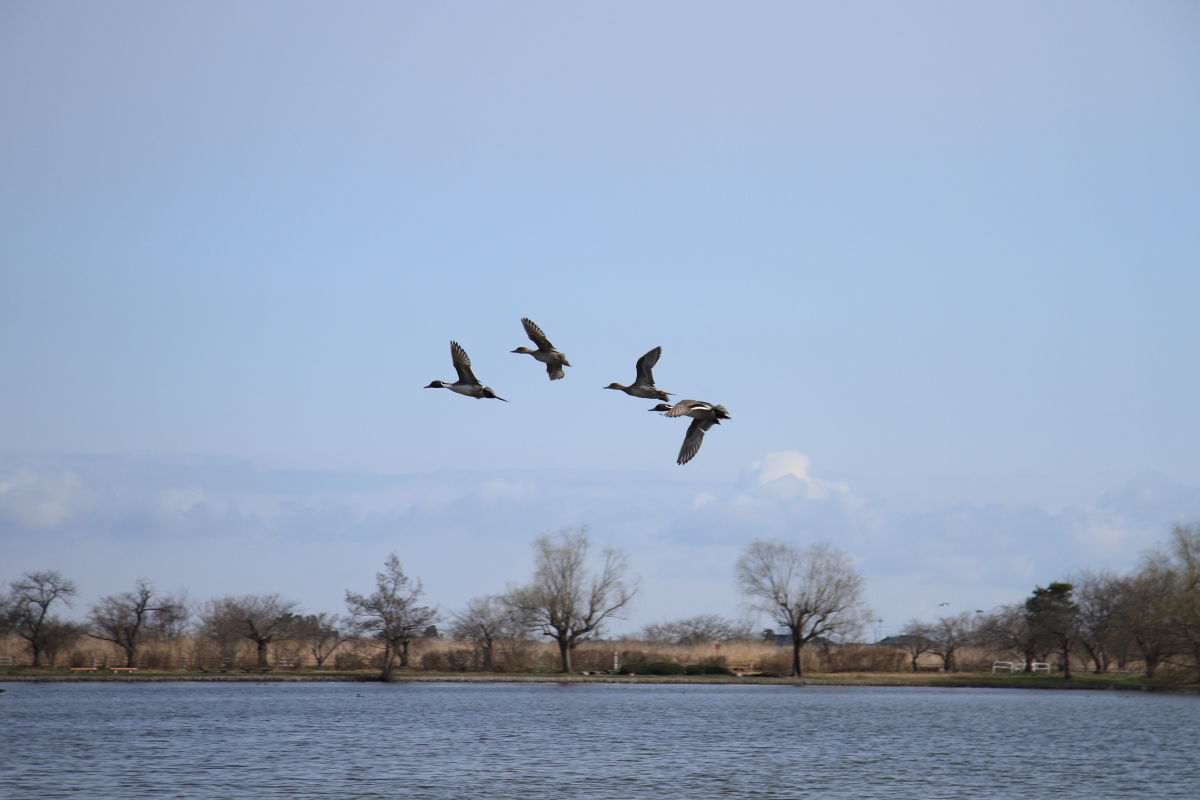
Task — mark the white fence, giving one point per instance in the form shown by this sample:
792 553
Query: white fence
1019 666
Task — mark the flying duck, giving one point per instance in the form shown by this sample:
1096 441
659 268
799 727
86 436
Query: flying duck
545 353
467 383
643 384
704 416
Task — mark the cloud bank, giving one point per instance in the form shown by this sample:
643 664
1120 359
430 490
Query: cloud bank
214 526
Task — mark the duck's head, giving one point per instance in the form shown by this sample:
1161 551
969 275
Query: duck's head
614 385
523 350
661 407
436 385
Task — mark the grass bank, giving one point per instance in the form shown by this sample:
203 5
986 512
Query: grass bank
925 679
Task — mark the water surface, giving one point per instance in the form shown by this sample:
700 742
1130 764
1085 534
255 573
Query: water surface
435 741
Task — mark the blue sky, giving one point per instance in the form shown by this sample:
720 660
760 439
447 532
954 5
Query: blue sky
939 260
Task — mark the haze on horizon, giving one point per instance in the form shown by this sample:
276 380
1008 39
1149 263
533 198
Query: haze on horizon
939 261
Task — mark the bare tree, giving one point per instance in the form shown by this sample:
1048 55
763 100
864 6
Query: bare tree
391 614
948 634
565 600
1148 610
485 623
26 611
323 633
916 638
1184 561
1099 597
59 635
812 592
696 630
127 619
263 619
1008 629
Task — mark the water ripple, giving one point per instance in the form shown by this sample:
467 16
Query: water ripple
603 742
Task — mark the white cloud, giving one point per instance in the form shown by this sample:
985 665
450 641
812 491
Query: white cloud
42 500
1107 537
773 466
788 473
505 491
180 501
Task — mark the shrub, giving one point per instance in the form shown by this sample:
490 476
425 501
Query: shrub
596 658
652 668
781 662
706 669
454 659
76 658
864 658
349 661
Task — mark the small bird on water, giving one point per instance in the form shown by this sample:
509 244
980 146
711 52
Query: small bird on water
467 383
704 416
545 353
643 384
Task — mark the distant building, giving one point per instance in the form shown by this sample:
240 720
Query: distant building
903 640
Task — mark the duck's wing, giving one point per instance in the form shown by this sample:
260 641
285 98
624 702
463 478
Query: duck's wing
462 364
692 440
646 363
555 371
536 335
683 407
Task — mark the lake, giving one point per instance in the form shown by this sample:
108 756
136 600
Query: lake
452 741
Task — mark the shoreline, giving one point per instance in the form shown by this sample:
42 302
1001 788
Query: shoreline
953 681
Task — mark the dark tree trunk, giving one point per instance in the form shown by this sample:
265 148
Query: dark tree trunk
564 654
797 646
262 654
385 674
1151 665
1099 659
404 652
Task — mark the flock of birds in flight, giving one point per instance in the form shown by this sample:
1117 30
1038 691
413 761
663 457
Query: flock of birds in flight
703 415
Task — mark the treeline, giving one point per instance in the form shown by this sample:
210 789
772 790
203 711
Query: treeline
572 596
1148 618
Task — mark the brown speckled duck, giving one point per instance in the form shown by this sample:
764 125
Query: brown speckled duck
643 384
545 353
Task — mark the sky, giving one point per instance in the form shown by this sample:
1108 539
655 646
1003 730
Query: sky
939 260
